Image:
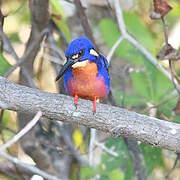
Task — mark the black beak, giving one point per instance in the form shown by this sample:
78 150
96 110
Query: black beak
66 66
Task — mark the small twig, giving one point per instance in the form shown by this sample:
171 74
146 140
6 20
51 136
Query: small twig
52 59
163 102
104 148
114 47
1 23
8 47
91 146
58 30
124 35
7 129
28 167
28 52
135 42
124 86
174 166
173 75
70 144
19 135
84 20
135 152
165 30
59 52
1 118
120 19
137 158
19 174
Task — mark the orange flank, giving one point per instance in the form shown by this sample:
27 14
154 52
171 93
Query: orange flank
86 84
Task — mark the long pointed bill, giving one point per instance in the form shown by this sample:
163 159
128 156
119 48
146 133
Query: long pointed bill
66 66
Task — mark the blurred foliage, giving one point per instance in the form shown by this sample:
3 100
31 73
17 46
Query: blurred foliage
58 16
122 161
4 65
153 157
149 84
78 140
146 84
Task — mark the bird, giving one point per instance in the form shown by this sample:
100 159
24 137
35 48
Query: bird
86 73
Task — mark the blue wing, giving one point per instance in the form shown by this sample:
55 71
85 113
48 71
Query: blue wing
105 62
103 71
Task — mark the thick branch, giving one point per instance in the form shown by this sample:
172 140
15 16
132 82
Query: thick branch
27 167
21 133
109 119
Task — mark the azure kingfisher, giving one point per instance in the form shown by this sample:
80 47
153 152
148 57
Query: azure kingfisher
85 72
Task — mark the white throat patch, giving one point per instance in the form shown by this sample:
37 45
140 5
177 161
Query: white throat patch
80 64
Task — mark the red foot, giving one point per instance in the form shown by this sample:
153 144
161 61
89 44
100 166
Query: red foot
94 105
76 100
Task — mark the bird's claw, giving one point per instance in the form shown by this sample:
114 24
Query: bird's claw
94 106
75 106
76 101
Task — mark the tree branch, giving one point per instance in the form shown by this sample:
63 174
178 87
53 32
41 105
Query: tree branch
8 47
113 49
91 146
84 21
105 149
109 119
135 42
29 51
23 131
28 167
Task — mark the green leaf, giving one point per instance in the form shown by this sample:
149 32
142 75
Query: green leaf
123 160
6 118
19 11
131 99
173 15
139 30
61 23
116 174
87 172
56 7
4 65
142 85
153 157
14 38
151 83
110 33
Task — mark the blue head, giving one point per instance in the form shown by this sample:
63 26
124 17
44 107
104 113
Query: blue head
80 49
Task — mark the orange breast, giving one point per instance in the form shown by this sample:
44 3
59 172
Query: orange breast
86 84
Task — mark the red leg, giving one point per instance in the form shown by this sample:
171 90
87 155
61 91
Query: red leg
76 100
94 105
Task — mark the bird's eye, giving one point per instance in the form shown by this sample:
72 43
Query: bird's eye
81 53
78 55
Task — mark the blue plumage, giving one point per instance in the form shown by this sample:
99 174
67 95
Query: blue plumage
85 72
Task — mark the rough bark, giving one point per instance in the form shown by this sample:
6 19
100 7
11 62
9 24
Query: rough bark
110 119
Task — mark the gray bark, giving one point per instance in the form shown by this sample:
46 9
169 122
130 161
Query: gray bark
110 119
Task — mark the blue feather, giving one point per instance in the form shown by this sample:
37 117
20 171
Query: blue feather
83 43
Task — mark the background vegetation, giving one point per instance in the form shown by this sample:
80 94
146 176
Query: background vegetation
136 83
